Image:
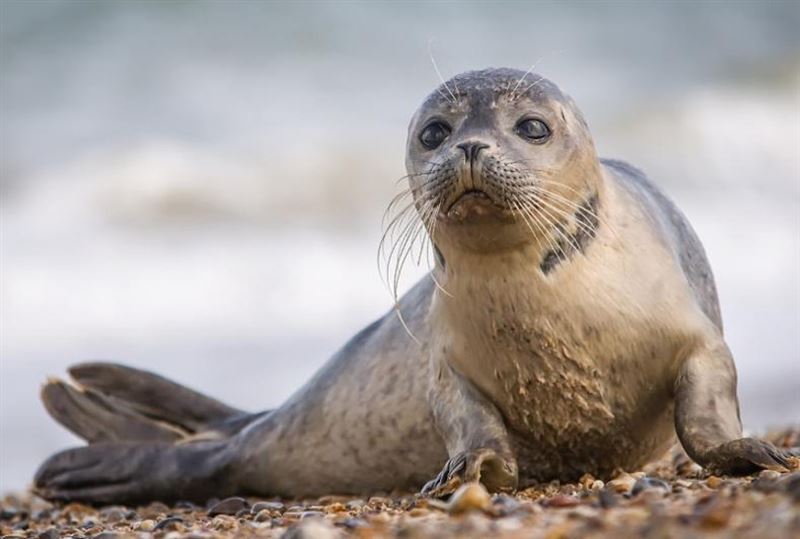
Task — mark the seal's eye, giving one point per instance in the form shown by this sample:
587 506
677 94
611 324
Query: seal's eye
533 130
434 134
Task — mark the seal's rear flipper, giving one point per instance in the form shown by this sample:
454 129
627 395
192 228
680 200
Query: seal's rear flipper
153 395
114 403
131 472
99 418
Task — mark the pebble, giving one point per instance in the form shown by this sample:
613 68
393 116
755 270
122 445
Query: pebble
154 510
714 482
312 529
263 516
146 525
505 504
607 499
355 504
114 514
648 484
563 500
769 475
169 524
224 522
269 506
52 533
622 484
228 506
353 523
469 497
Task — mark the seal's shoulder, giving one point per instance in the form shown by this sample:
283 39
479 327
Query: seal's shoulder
685 242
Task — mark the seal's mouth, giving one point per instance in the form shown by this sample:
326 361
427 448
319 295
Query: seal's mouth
470 197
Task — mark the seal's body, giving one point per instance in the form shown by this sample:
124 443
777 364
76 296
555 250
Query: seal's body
570 325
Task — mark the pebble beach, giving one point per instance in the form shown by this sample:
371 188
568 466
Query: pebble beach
672 497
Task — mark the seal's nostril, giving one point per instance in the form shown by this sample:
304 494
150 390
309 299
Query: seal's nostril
471 149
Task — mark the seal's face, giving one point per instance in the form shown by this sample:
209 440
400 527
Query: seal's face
496 158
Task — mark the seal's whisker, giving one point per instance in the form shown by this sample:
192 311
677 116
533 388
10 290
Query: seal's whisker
541 198
439 74
513 95
407 246
537 237
399 242
582 209
533 215
526 208
559 227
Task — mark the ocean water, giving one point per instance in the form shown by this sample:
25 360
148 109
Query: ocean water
196 188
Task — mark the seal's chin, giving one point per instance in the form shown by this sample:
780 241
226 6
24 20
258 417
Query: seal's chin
474 205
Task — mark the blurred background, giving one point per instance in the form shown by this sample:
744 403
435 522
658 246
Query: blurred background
196 187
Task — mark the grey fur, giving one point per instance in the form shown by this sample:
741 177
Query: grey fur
525 370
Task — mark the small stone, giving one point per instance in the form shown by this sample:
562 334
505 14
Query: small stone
223 522
563 500
335 507
596 485
114 514
311 514
169 524
107 535
353 523
607 499
714 482
228 506
269 506
505 504
379 500
263 515
313 528
355 504
469 497
586 481
649 483
7 513
419 512
714 514
791 484
622 484
769 475
52 533
146 525
154 510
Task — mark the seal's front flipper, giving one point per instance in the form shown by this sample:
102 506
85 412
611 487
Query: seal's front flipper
475 436
498 474
707 417
138 472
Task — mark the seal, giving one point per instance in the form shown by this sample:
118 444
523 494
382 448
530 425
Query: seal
570 325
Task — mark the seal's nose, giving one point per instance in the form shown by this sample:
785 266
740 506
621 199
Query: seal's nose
471 149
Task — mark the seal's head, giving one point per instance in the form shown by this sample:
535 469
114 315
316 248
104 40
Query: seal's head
497 158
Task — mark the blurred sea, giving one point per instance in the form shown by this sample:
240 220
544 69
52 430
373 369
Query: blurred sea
196 187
